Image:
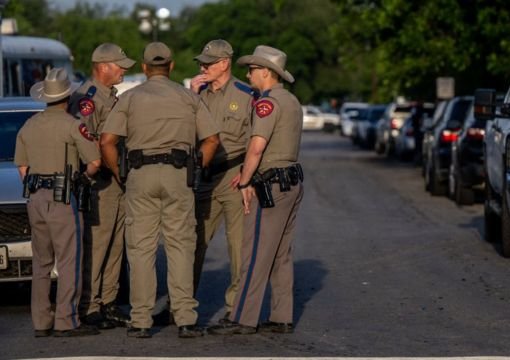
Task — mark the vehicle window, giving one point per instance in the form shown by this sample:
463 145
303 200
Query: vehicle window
10 123
403 109
375 115
458 114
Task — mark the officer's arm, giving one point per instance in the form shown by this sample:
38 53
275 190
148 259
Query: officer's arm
208 148
93 167
108 143
22 171
256 148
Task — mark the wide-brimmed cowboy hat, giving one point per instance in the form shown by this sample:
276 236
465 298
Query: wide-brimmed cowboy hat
269 57
55 86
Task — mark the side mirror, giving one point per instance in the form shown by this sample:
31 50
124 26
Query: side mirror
485 104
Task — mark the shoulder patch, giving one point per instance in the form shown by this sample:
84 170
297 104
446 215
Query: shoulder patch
86 106
85 132
264 108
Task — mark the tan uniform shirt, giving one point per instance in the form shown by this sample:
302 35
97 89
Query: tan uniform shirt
231 108
278 118
103 100
175 119
41 142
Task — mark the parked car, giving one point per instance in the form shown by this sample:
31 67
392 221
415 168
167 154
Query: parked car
438 139
365 127
349 112
312 119
467 168
497 166
388 126
15 245
409 139
315 119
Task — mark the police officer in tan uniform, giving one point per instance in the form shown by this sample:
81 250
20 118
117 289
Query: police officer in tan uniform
104 223
229 101
161 121
44 146
271 186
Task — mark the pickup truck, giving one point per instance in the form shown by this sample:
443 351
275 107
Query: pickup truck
497 166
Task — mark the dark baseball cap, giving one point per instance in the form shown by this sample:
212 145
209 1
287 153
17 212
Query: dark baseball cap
157 53
215 50
111 53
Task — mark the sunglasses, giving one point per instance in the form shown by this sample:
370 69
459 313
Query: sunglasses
251 68
206 66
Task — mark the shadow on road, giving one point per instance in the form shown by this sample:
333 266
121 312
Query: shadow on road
308 280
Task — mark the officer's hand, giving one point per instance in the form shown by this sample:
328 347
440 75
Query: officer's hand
248 194
235 181
197 82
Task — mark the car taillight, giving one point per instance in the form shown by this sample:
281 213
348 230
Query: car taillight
449 136
475 134
394 123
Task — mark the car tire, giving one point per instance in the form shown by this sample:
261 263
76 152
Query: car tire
505 214
492 221
435 186
379 148
458 192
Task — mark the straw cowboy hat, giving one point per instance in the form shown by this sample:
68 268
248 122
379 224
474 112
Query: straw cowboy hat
55 87
270 58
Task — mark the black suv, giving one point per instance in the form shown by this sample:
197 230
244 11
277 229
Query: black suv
437 142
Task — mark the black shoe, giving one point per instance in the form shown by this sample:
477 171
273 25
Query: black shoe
112 312
225 319
190 331
276 327
141 333
231 328
98 320
82 330
43 333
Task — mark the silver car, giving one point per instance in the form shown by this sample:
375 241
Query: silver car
15 246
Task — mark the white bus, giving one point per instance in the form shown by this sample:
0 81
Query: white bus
26 60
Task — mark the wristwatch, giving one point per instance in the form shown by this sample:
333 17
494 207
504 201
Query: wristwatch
239 186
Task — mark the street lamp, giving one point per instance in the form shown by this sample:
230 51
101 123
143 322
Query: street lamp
154 22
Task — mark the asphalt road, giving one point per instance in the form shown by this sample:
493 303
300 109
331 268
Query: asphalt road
382 269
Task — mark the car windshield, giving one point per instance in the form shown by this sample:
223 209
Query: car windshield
10 123
375 115
459 112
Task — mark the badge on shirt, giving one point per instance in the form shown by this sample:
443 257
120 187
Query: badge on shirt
264 108
233 106
85 132
86 106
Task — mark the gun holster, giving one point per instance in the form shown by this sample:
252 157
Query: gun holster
263 191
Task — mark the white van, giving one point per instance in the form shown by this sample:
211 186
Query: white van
26 60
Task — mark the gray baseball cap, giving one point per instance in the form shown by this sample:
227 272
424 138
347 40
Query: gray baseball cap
215 50
157 53
111 53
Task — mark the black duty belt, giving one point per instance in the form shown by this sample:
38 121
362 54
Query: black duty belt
215 169
176 157
292 174
158 159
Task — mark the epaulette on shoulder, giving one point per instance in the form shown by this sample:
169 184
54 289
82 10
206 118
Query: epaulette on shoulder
244 88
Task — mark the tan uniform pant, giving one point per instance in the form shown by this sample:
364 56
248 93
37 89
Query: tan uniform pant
103 246
267 256
213 205
158 203
56 234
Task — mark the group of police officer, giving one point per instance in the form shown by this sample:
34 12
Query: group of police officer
223 150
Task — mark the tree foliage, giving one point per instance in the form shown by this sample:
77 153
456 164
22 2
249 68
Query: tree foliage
350 49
